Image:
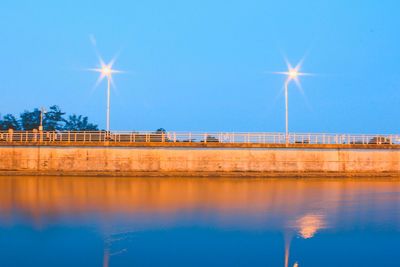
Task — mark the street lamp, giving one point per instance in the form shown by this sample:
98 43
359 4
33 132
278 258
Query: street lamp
292 74
43 111
106 71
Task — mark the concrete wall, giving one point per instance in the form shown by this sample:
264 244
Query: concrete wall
197 161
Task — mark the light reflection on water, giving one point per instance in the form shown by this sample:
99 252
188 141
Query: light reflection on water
199 221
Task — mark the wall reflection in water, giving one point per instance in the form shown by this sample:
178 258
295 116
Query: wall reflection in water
120 207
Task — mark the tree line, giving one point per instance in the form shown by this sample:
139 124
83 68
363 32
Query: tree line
53 120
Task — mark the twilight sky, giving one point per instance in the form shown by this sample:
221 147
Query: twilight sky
203 65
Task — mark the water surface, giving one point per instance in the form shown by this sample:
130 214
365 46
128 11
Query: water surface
53 221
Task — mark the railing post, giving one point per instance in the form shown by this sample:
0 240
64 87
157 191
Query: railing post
10 135
35 137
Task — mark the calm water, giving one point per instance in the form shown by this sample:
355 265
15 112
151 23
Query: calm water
50 221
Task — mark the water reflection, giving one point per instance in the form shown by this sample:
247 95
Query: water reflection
124 209
108 246
309 224
306 227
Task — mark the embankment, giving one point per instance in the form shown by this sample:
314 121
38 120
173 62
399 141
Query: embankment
196 159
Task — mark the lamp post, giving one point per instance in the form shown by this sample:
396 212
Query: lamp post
292 74
43 111
106 71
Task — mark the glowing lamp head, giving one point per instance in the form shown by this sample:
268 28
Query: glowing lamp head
293 74
106 70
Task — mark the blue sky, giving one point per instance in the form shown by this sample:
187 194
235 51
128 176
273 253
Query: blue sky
202 65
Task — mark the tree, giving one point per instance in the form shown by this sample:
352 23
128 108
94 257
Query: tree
79 123
30 119
9 122
53 119
160 131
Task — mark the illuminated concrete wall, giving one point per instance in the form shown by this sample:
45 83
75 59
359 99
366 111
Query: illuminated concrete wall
197 161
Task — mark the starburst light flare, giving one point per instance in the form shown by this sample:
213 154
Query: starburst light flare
292 74
106 70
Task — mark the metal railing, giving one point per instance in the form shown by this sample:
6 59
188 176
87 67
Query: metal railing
198 137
